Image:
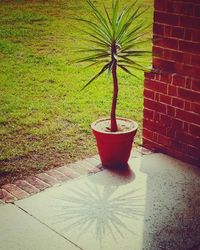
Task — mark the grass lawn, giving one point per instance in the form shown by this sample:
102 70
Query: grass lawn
44 118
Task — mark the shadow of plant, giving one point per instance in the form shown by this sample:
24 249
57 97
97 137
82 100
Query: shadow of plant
101 209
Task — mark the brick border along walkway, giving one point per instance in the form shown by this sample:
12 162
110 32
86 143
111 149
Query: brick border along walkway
33 184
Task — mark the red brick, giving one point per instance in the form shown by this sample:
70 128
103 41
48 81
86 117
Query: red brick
187 138
165 120
154 126
167 31
189 159
189 94
148 93
148 124
166 42
163 64
186 58
182 8
195 35
166 18
156 116
165 99
166 77
172 91
176 124
27 187
148 113
177 32
169 7
148 143
157 76
195 107
188 116
188 82
189 70
57 175
39 184
155 86
172 55
190 22
68 172
158 5
195 60
148 134
178 103
153 105
171 111
158 29
163 140
170 132
188 1
193 151
47 178
157 97
176 146
178 68
188 46
15 191
195 129
187 106
6 197
156 135
186 127
151 145
178 80
157 51
188 34
149 75
197 10
177 56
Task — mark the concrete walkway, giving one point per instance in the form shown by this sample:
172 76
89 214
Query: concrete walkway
154 205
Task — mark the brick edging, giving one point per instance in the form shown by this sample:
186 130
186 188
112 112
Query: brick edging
21 189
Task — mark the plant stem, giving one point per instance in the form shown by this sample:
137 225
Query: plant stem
113 125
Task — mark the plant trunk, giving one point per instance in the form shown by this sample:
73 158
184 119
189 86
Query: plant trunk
113 125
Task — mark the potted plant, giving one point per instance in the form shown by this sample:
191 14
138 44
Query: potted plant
114 43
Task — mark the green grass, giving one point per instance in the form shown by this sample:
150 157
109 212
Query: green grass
42 111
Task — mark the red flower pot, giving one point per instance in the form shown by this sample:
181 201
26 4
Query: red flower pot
114 147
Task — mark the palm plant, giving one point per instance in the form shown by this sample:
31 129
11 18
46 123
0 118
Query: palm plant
115 40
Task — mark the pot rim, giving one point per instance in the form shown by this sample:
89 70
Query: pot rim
135 126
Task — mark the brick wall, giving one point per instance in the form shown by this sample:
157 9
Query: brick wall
172 92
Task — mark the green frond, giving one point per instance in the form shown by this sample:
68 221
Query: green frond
106 67
119 30
99 17
92 50
115 7
97 62
108 17
98 43
94 57
124 68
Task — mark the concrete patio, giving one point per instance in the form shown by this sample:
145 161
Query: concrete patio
153 205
